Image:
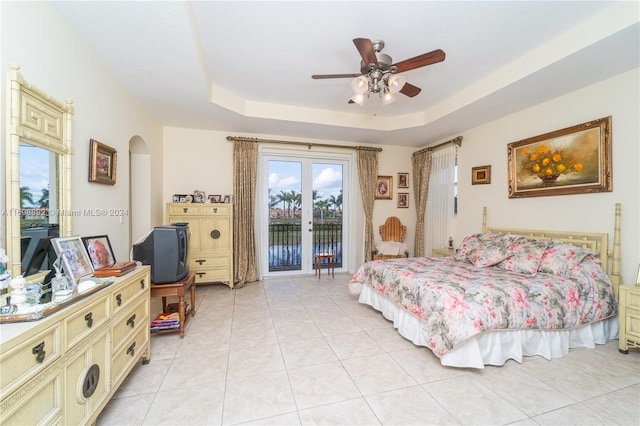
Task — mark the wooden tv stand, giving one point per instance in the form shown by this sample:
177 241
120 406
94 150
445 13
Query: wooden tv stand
177 289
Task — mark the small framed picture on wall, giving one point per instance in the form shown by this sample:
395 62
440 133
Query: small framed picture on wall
403 200
403 180
384 188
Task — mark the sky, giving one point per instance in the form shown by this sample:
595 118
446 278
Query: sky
34 169
286 176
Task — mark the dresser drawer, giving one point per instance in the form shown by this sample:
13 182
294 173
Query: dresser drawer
41 405
88 319
183 209
125 324
28 358
212 275
215 209
128 354
131 291
633 299
199 261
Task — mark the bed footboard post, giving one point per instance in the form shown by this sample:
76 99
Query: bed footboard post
484 220
615 263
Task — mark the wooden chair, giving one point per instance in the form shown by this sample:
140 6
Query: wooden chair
392 230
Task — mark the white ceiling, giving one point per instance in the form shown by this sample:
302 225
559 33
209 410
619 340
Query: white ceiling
245 67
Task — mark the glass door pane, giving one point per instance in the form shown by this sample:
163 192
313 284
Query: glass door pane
327 210
285 203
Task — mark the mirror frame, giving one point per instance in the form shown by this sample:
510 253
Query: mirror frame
34 117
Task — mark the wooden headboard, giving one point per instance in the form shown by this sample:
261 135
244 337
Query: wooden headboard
597 242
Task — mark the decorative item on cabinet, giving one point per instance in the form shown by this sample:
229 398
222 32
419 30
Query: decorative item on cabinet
198 196
210 241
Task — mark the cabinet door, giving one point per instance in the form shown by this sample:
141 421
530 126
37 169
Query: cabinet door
215 233
87 381
195 236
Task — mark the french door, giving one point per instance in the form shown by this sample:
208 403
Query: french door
302 213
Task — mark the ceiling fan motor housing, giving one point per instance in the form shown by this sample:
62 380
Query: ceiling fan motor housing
384 63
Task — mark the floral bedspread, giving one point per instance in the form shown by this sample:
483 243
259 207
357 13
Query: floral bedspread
457 300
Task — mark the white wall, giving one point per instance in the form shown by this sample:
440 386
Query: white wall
55 59
205 158
487 144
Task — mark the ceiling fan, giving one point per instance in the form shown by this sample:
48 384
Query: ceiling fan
378 73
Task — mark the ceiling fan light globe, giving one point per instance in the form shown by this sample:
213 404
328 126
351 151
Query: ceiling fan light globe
396 83
388 98
358 98
360 85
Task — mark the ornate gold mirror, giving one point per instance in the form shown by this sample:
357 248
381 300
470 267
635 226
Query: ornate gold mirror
38 141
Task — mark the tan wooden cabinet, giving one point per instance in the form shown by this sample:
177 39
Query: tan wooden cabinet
442 252
629 316
64 368
210 239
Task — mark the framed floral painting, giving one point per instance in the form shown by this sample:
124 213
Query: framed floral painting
102 163
575 160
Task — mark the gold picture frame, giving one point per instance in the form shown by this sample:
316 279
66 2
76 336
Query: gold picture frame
574 160
384 188
480 175
403 180
403 200
102 163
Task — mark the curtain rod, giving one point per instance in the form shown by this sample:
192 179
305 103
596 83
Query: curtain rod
455 141
307 144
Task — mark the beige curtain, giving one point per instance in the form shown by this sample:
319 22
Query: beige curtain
245 170
421 165
367 174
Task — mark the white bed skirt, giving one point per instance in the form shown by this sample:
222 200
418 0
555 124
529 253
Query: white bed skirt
496 347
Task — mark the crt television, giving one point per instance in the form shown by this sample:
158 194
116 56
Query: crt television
166 250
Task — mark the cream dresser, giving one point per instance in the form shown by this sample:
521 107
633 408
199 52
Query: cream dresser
64 368
210 239
629 316
442 252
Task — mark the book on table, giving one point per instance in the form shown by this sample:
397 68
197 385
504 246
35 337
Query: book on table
115 270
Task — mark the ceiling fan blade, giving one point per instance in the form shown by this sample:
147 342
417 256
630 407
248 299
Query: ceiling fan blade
410 90
421 61
365 47
321 76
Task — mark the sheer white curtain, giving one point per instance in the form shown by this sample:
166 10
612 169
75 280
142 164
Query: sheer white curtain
440 213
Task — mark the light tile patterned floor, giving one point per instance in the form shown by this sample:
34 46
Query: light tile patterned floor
299 351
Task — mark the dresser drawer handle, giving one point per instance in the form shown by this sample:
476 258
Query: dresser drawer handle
201 261
142 284
91 380
119 299
132 320
131 349
39 352
89 319
201 274
184 210
215 234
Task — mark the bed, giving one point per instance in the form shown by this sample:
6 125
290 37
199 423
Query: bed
506 293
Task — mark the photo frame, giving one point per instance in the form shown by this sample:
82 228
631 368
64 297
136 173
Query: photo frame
574 160
198 196
480 175
103 161
76 263
100 251
403 180
228 199
384 188
216 198
403 200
